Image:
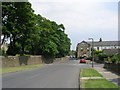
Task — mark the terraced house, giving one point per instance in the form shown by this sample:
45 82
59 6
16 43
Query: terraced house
84 48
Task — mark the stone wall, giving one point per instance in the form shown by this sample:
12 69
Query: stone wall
15 61
112 67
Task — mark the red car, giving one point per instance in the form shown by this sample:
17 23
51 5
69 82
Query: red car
82 61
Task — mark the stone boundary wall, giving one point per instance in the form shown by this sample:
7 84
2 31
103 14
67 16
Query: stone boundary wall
15 61
112 67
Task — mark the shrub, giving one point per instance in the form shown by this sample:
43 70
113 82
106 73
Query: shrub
109 60
116 59
101 56
3 52
97 52
89 58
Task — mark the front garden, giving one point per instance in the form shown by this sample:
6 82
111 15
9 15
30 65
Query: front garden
111 61
91 79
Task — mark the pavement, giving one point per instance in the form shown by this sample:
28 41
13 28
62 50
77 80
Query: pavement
110 76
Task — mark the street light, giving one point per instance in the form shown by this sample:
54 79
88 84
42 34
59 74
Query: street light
92 50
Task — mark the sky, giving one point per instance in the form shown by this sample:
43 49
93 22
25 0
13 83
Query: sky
82 19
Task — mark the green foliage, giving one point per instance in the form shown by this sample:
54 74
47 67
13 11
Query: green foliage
97 51
110 57
32 34
20 68
94 84
100 55
115 58
3 52
89 73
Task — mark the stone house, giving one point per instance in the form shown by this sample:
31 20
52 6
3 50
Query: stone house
101 45
84 48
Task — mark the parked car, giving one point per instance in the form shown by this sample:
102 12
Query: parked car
82 61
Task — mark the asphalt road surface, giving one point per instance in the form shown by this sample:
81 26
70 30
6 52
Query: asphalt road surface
59 75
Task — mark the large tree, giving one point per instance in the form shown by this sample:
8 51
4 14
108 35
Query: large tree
32 34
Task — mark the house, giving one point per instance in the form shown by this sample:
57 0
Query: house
106 45
84 48
111 51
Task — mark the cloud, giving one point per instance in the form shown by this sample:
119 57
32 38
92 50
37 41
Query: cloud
84 19
73 0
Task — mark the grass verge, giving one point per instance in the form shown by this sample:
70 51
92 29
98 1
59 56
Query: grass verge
92 84
97 83
21 68
89 73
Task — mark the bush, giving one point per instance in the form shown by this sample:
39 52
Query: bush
3 52
89 58
97 52
109 60
116 59
101 56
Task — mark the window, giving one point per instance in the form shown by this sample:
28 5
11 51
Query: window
81 49
97 48
87 49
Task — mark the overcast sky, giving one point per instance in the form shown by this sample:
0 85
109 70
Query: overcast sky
82 19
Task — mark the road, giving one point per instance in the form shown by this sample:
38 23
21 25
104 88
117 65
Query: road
59 75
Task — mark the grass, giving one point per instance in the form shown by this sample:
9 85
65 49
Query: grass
21 68
88 61
97 83
89 73
23 55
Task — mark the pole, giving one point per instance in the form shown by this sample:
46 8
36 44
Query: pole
92 52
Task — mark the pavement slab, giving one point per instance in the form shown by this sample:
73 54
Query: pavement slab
110 76
91 78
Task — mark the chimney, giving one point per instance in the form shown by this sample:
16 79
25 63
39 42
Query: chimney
100 40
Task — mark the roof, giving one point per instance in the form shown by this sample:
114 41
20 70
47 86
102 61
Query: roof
106 43
83 42
111 51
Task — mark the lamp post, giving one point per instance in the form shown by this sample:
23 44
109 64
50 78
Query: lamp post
92 50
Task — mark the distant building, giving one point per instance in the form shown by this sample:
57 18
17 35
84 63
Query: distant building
72 53
106 45
84 48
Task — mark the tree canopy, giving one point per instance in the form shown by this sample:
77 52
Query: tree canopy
32 34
